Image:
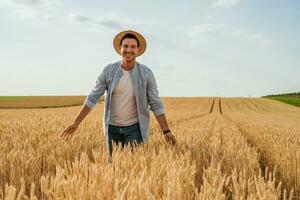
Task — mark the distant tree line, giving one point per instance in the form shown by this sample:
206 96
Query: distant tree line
294 94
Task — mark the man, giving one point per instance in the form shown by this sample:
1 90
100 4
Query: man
131 88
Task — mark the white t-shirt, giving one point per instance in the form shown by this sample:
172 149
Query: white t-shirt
123 108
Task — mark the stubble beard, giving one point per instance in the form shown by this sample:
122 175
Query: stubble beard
130 58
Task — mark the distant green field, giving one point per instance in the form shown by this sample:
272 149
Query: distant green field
293 98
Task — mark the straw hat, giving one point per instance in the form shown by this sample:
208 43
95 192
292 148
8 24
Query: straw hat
119 36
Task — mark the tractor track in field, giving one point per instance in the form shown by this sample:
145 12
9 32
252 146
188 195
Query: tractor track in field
220 106
264 161
198 116
212 106
216 105
217 108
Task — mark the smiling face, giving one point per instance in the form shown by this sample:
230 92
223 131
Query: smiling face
129 49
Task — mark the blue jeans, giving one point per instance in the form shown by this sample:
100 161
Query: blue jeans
125 135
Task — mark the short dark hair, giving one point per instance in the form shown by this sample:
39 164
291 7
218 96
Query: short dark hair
129 35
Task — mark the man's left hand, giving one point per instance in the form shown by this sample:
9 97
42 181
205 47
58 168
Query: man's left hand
170 138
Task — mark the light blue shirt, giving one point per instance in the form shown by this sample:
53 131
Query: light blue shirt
145 90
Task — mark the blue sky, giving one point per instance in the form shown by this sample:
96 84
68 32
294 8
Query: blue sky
195 48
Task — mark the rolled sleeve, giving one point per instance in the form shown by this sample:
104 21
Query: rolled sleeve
156 105
99 89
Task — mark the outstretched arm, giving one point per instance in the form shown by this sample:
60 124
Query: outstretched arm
90 101
68 132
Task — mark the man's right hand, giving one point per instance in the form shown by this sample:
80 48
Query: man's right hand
68 132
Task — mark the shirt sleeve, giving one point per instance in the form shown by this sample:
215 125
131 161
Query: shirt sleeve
154 100
99 89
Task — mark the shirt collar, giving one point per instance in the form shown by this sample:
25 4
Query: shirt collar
130 71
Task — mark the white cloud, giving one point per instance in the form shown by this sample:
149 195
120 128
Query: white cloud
202 28
110 21
267 42
79 18
228 30
27 2
44 4
103 22
234 32
249 36
32 8
225 3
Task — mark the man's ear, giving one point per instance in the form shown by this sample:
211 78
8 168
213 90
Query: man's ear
138 49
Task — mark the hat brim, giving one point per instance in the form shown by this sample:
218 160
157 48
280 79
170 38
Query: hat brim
141 39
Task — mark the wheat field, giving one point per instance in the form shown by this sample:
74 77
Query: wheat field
40 101
228 148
